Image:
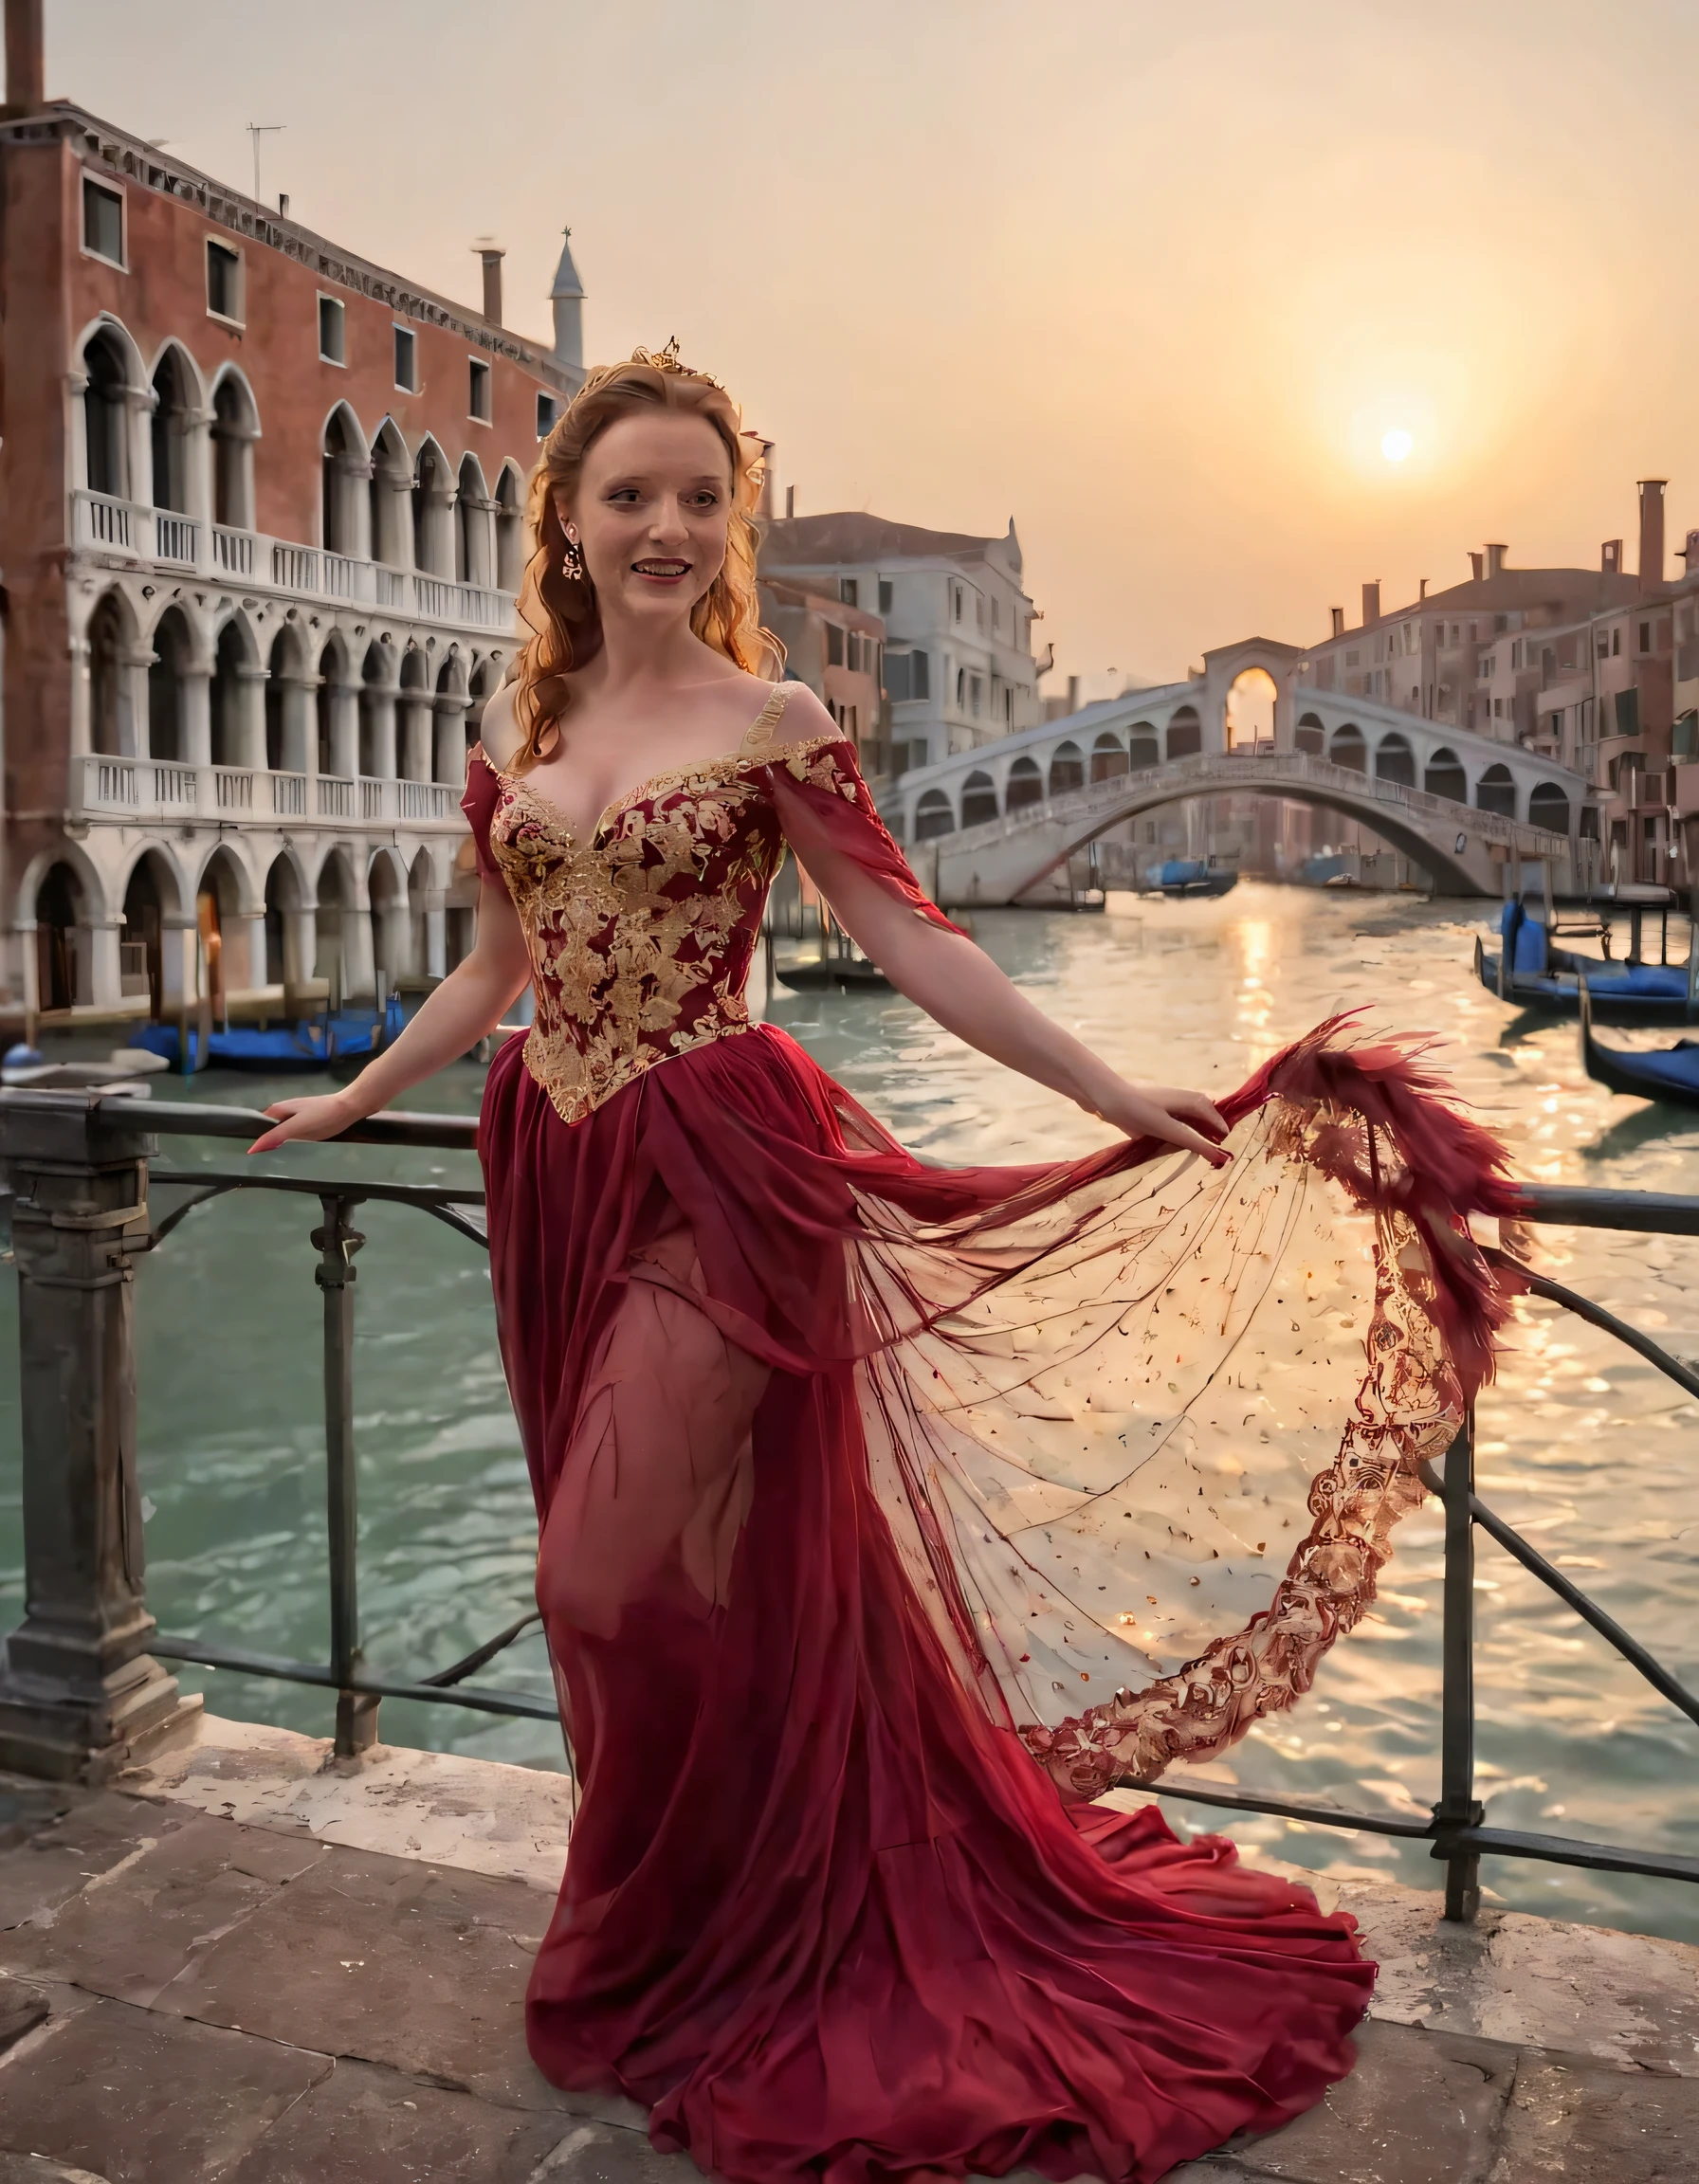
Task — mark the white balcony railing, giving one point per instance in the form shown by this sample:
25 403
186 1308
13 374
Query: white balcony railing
176 539
162 789
107 524
232 551
98 519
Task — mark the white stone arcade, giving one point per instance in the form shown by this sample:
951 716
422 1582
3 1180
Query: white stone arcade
1001 818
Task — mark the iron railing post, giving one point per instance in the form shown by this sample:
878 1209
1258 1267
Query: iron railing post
1457 1805
336 1243
80 1695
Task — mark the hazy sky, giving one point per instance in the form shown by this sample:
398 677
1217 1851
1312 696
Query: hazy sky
1154 279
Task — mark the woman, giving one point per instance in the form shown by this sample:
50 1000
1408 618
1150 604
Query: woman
891 1513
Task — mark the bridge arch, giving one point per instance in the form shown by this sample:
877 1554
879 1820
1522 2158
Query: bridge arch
1109 757
1394 760
1548 807
1496 792
1449 872
1068 769
1443 775
1026 785
1142 747
1185 733
1347 747
979 798
1309 734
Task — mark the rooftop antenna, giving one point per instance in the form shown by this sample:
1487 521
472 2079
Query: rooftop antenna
256 130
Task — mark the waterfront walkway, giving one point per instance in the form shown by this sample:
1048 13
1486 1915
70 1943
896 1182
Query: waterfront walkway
251 1964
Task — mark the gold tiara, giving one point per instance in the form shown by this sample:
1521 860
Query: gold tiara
668 360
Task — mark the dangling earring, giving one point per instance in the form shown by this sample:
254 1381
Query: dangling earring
571 561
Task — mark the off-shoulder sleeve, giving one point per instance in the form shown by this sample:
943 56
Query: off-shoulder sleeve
483 787
823 802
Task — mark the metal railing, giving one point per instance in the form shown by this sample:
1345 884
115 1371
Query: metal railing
77 1164
50 1141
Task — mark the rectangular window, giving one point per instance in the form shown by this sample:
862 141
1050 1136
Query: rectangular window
477 395
920 675
332 341
547 411
834 645
1645 636
407 360
850 590
224 281
956 603
1615 642
885 596
1628 713
102 222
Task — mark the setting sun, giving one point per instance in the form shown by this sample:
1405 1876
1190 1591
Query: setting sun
1396 445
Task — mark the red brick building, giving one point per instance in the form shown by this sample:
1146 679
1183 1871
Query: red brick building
260 529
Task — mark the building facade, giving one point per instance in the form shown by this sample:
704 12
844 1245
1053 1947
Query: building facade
958 663
262 525
1596 669
838 650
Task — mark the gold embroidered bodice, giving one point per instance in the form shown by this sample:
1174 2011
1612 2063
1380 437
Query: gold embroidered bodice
641 932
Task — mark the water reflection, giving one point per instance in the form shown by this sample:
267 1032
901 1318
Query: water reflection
1582 1447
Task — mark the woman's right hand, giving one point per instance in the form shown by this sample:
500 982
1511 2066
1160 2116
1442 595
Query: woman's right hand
326 1116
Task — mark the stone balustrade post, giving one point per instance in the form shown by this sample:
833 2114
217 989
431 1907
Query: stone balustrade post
80 1695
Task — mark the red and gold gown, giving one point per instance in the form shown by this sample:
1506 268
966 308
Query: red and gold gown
893 1513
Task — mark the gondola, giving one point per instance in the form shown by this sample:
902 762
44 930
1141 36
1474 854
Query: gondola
1549 979
340 1035
1181 878
833 974
1669 1074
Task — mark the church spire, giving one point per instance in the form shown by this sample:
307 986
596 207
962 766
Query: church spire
567 296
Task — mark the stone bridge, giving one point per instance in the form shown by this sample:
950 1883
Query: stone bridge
992 824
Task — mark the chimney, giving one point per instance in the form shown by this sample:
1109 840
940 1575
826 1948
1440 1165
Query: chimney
1423 592
492 256
1476 563
26 65
283 204
1495 559
1339 620
1652 533
1610 557
790 501
1073 692
1371 604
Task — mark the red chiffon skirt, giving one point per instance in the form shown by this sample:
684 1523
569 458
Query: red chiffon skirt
824 1914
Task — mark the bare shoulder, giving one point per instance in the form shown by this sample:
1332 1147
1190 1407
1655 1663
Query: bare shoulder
804 716
498 732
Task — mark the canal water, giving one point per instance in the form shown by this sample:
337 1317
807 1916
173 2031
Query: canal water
1590 1454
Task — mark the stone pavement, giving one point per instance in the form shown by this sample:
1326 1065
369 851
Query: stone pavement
251 1966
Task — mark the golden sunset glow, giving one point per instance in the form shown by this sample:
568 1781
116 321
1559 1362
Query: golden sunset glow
1170 288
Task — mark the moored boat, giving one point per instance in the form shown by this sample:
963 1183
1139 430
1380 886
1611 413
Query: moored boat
1530 973
1669 1074
339 1035
1179 877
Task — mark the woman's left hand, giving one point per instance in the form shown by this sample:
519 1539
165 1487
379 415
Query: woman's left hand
1170 1114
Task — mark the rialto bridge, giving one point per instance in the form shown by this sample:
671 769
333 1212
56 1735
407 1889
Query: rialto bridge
998 824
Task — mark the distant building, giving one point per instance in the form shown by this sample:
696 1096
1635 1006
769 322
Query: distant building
958 663
1595 668
260 529
839 651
